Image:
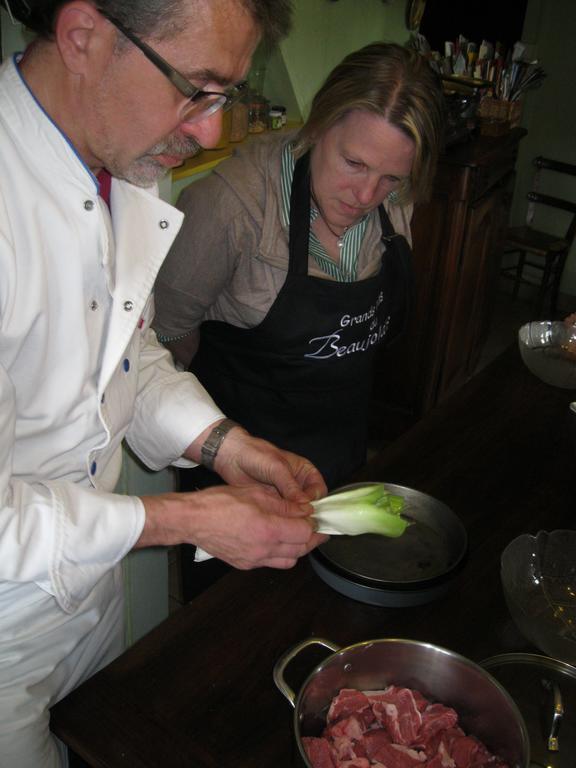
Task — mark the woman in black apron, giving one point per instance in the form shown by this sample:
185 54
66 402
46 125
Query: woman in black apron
302 377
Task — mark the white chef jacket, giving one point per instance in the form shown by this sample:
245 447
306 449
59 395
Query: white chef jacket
80 368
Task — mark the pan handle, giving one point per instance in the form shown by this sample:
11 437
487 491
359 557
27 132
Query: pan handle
287 657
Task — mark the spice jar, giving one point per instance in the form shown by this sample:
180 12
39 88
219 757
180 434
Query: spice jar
257 115
238 122
274 119
282 110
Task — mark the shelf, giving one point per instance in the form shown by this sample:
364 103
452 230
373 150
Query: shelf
205 161
210 158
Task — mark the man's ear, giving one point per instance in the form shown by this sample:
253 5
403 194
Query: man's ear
81 32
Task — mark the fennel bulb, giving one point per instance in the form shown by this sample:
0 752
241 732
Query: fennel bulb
368 509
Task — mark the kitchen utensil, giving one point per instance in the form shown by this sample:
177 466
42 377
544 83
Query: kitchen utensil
544 690
415 568
557 714
572 424
485 708
539 580
548 349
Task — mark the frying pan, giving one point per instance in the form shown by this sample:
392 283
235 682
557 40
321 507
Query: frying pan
414 569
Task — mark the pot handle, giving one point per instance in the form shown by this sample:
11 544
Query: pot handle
287 657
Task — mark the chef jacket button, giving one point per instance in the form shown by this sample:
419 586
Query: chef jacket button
93 468
93 305
126 364
128 306
88 205
164 224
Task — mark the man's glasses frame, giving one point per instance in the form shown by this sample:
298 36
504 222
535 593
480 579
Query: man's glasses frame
205 103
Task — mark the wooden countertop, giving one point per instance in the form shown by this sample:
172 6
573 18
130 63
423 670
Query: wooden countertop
198 690
210 158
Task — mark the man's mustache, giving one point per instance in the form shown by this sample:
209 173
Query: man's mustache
188 147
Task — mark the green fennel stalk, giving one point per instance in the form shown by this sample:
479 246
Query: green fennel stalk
367 509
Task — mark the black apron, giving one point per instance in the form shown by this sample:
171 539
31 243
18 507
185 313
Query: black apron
303 377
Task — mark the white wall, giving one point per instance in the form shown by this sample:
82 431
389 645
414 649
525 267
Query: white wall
550 111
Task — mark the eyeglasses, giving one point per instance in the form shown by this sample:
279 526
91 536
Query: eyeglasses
202 103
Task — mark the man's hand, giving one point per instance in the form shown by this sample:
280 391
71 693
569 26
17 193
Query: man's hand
261 518
247 527
244 460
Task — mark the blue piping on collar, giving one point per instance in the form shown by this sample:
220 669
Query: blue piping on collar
16 58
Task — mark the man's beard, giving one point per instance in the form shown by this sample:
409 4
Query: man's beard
145 171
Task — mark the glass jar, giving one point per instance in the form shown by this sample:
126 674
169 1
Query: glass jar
239 122
257 115
274 119
282 110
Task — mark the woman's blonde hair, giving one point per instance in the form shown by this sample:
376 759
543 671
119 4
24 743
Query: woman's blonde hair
396 83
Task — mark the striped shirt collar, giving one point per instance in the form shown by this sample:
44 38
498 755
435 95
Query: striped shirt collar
346 271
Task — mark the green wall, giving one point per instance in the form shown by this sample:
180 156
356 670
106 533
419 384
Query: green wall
324 32
14 37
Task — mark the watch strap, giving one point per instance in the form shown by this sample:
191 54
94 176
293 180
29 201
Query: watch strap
213 442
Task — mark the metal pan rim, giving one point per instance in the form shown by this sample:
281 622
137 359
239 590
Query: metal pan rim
384 584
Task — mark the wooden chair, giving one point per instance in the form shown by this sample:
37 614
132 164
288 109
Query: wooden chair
538 249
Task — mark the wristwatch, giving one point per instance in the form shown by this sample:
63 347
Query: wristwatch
212 444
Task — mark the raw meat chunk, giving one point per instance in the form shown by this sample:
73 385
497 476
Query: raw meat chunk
350 702
468 752
436 718
397 756
394 728
343 735
396 710
319 752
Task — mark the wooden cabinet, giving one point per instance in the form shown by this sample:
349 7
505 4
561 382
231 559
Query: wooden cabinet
457 239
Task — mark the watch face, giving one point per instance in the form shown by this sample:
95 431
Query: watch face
414 13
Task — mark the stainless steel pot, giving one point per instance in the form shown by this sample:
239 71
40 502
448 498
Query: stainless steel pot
484 707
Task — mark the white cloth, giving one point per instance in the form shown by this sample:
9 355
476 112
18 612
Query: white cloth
80 369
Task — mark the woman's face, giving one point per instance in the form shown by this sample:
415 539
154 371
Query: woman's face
356 164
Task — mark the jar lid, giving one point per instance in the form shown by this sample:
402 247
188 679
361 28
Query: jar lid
544 690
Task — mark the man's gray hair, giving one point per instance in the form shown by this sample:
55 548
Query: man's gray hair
152 18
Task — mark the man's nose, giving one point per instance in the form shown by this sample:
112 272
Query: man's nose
206 130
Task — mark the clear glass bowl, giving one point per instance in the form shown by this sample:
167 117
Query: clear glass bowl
548 349
539 580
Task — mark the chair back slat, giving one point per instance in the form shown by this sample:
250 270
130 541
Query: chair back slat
554 165
535 245
535 197
553 202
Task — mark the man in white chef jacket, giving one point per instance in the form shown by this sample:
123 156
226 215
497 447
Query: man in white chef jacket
91 116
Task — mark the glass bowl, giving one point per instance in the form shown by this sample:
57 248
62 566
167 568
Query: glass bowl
548 349
539 580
